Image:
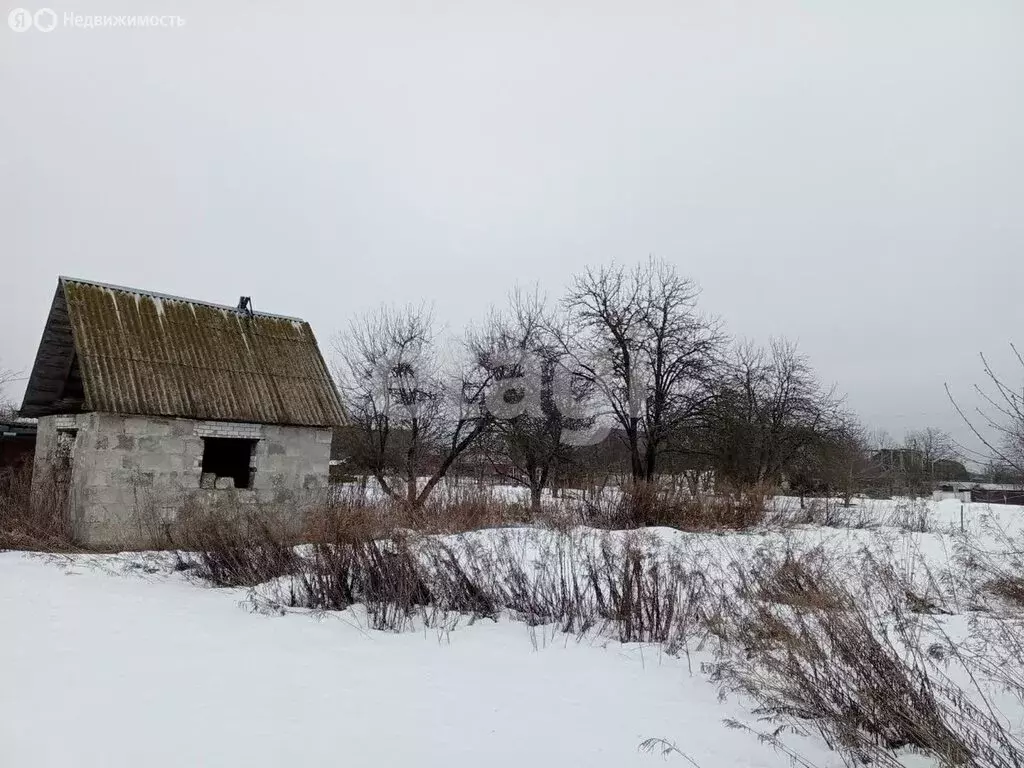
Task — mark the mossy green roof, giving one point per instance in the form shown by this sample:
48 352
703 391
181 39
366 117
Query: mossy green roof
140 352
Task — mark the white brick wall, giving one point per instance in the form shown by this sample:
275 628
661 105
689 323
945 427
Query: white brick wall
65 422
229 429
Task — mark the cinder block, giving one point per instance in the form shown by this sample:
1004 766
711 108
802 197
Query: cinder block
152 427
150 443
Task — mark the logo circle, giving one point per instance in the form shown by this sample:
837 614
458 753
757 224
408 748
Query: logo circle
19 20
45 20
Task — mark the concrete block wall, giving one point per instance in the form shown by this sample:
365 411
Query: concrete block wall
49 444
132 476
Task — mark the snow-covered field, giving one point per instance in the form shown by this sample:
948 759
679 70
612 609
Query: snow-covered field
118 660
108 666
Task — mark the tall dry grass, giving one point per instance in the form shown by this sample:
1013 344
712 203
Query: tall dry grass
856 656
647 504
34 518
859 663
237 550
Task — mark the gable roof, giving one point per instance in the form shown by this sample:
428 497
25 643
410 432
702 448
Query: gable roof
122 350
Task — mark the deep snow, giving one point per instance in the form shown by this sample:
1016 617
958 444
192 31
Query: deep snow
110 667
106 663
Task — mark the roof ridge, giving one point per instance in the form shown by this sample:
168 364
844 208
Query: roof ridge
171 297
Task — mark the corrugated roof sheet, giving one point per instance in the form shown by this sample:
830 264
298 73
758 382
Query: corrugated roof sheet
146 353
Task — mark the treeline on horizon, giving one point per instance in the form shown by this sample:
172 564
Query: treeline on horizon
623 374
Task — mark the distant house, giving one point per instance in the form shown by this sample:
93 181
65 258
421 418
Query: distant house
898 459
151 403
910 461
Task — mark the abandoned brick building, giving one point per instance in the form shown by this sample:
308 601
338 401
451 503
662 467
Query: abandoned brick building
151 404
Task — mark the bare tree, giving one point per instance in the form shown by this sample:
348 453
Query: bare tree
770 414
7 406
934 451
519 355
637 337
840 463
604 325
1002 415
1000 472
413 410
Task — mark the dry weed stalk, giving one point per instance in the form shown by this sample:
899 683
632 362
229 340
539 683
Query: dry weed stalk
856 665
34 516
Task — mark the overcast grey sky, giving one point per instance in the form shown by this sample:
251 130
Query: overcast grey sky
848 174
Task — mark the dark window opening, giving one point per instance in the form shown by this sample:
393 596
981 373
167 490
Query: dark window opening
229 457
